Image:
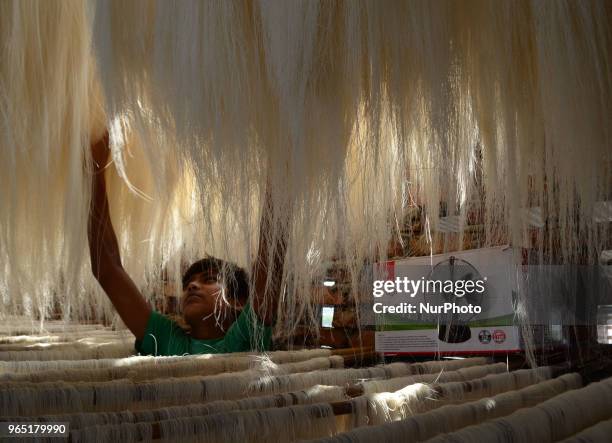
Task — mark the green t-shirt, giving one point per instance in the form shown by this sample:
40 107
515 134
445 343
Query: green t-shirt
164 337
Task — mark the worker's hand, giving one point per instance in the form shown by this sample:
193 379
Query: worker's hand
100 152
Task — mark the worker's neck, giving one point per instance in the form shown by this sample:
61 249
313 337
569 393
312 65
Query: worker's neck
210 328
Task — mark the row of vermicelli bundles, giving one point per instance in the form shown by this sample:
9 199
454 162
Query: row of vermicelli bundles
298 395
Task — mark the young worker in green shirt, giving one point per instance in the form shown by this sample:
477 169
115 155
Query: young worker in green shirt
215 303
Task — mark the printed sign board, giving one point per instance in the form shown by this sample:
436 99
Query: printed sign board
450 303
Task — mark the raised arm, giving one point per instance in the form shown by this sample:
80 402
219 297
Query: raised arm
268 267
104 251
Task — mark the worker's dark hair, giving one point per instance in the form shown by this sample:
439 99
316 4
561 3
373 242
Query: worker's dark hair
234 278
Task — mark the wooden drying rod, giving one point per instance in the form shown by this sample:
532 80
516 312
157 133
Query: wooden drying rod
354 356
352 351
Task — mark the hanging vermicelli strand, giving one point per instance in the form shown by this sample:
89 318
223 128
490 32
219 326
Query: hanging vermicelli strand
336 120
343 108
473 73
47 113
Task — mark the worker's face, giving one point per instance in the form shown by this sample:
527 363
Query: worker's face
202 295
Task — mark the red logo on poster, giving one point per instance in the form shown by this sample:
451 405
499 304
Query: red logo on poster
499 336
385 270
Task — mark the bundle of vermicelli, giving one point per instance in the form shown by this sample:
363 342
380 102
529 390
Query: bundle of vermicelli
378 408
394 384
596 433
433 397
457 392
26 368
15 324
143 368
179 369
55 335
84 351
207 426
29 369
293 382
150 368
59 397
552 420
430 367
419 393
24 343
33 339
314 394
13 332
85 339
452 417
278 424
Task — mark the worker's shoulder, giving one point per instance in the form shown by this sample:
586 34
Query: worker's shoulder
163 336
159 322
